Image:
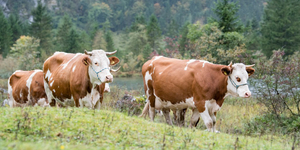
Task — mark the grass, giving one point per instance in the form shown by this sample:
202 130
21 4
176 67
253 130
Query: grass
76 128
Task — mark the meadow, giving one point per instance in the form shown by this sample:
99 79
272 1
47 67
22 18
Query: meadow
114 128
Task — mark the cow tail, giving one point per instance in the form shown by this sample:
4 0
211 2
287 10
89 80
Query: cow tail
145 110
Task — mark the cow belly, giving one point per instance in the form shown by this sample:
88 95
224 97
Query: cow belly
188 103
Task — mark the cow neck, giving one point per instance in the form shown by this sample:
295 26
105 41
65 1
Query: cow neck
222 82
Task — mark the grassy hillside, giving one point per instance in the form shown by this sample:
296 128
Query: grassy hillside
76 128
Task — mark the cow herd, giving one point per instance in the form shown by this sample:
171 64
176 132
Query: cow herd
170 84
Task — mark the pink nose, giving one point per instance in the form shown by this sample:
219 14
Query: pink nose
247 94
109 78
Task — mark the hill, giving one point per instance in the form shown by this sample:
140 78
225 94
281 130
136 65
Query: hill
76 128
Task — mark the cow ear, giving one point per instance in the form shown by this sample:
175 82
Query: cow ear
250 70
226 71
86 61
113 60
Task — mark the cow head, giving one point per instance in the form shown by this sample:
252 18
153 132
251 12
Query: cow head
99 65
237 79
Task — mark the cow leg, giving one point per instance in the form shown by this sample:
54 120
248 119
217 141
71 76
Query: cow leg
152 113
180 117
48 92
195 118
213 117
145 110
208 121
166 113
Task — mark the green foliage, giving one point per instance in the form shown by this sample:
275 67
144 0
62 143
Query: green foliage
272 124
99 41
226 12
146 52
5 35
25 51
279 28
208 46
137 40
183 40
63 34
153 32
139 20
99 12
109 41
41 28
73 42
15 26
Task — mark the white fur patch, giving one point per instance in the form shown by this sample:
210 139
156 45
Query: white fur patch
160 104
190 61
147 78
204 61
29 81
155 58
48 74
73 69
51 83
91 99
66 64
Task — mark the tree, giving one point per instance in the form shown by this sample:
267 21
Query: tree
280 26
146 52
183 40
138 21
99 41
63 34
226 14
172 29
41 28
153 31
16 26
73 45
25 52
5 35
109 41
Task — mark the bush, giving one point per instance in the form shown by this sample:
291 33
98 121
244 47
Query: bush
270 123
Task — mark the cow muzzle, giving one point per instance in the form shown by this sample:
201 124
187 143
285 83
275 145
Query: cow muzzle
108 78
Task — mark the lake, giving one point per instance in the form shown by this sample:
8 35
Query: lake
132 83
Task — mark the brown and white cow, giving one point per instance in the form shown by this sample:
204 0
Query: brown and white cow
173 84
78 78
26 88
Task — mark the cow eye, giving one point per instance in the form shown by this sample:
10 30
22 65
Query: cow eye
238 79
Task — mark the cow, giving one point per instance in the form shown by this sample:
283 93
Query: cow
26 88
173 84
78 79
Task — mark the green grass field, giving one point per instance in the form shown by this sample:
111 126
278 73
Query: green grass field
76 128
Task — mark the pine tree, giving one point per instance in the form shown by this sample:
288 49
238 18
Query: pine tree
138 21
146 52
183 40
5 35
153 31
41 27
280 26
109 41
227 16
63 34
16 26
73 42
172 29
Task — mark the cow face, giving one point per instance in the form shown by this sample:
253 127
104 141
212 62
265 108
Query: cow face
99 66
237 80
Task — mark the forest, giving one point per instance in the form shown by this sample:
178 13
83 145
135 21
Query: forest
260 32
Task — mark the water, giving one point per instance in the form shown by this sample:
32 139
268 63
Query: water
133 83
